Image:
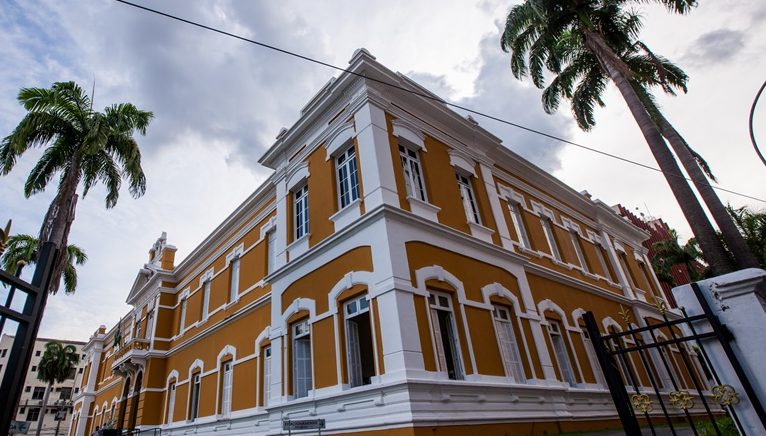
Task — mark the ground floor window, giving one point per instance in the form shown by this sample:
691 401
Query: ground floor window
509 348
445 335
266 374
560 350
171 402
301 359
226 387
194 397
359 352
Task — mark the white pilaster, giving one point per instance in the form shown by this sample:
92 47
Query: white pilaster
377 166
281 231
497 208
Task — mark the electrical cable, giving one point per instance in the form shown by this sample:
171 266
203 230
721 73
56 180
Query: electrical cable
752 114
420 94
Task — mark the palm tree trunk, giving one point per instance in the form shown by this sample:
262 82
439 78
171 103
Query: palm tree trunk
41 418
712 249
731 235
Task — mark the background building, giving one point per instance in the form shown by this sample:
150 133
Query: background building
31 401
401 272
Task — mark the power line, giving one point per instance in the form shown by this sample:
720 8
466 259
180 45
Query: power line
420 94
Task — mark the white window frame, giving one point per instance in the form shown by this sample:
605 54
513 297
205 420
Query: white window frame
468 197
195 386
351 309
266 374
508 343
439 301
574 235
302 330
234 284
206 286
271 250
590 351
171 402
348 187
550 236
558 343
622 258
301 211
515 210
413 173
182 320
227 375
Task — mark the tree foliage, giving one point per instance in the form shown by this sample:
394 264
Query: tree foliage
23 250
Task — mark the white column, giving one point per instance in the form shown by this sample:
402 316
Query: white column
497 208
89 392
375 160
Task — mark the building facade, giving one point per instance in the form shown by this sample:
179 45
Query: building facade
61 398
399 273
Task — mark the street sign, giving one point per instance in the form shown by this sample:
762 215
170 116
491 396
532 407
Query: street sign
303 424
19 427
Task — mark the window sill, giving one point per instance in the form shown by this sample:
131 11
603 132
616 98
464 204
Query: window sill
640 294
347 215
529 251
424 209
481 232
299 246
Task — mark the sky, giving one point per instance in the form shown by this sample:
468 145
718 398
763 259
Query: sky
219 104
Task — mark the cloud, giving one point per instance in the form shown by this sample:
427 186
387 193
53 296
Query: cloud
716 47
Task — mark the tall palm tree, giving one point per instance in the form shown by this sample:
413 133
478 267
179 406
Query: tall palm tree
81 145
752 226
581 43
23 250
56 365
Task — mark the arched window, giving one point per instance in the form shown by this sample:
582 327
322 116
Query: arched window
301 351
171 402
556 334
360 356
508 343
194 394
445 335
225 379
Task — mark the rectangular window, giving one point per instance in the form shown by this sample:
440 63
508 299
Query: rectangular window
550 237
194 397
5 351
182 321
171 402
138 330
302 381
206 299
38 393
65 393
445 335
628 273
27 388
518 224
592 359
577 243
468 198
301 211
266 375
37 353
509 347
647 277
606 267
34 368
271 246
234 282
226 386
33 414
413 177
359 352
348 183
560 350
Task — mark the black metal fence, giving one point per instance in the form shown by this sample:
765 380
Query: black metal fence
34 295
660 375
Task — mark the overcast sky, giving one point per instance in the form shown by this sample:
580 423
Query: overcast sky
220 102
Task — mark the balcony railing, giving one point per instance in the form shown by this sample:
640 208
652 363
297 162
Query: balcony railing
135 347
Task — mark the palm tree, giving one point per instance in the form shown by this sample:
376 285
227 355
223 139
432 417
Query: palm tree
23 250
752 226
56 365
669 254
81 145
583 43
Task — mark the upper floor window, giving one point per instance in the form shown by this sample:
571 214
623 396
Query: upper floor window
302 381
468 198
623 258
518 224
577 244
206 298
509 347
359 352
182 320
234 276
65 393
413 176
348 182
550 237
271 247
301 211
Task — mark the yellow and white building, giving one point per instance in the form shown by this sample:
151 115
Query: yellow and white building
400 273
